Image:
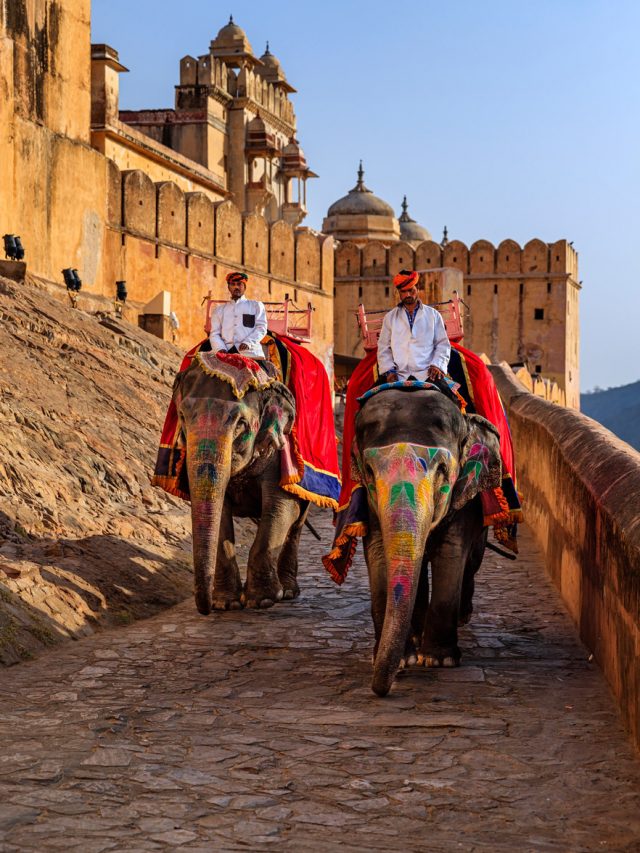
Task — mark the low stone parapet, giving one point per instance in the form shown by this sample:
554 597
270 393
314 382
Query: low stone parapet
581 489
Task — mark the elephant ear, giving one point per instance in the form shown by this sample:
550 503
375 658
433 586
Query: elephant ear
480 462
276 418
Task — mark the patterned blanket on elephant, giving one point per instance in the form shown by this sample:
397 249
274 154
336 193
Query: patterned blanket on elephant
501 506
240 372
309 463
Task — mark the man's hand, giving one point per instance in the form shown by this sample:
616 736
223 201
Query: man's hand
243 347
391 376
434 372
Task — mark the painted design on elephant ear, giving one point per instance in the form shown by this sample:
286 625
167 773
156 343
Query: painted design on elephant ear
477 462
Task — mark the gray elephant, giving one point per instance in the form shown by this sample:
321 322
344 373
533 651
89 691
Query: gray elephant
423 465
233 466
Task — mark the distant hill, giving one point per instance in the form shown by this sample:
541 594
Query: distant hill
618 409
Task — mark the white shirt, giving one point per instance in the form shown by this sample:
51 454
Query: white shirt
243 321
410 352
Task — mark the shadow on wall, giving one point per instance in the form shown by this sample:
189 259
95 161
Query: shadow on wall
56 589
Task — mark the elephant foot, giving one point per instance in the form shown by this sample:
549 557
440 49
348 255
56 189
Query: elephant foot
410 657
431 661
432 658
226 600
288 581
262 598
290 589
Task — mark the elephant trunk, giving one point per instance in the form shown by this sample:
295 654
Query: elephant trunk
209 467
404 535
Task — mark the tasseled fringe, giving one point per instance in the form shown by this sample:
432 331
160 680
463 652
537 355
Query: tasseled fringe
505 514
169 485
461 401
291 482
338 576
506 538
238 393
318 500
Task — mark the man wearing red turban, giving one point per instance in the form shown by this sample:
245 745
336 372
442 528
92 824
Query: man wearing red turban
413 340
239 325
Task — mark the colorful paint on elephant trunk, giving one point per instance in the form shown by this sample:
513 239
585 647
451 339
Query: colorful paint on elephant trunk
408 485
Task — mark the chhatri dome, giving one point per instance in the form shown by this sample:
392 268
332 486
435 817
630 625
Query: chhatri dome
232 43
271 70
361 216
410 231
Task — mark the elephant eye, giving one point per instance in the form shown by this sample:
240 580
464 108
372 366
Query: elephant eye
241 428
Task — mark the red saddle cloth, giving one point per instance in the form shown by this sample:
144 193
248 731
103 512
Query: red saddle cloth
311 468
501 506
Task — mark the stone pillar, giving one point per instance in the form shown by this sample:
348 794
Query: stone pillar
105 85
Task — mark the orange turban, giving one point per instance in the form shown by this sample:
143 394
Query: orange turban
236 277
405 280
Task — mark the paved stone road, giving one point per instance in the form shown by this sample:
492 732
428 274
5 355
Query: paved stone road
258 730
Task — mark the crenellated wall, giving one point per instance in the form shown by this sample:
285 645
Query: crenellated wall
581 491
161 226
160 238
482 258
522 301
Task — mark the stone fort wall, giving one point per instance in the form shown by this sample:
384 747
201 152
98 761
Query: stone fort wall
159 237
522 301
72 206
581 497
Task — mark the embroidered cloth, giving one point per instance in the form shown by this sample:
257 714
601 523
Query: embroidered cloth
239 371
501 506
309 462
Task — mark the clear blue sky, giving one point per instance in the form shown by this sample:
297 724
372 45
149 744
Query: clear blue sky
502 118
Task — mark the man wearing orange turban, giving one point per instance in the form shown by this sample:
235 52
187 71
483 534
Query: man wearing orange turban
413 340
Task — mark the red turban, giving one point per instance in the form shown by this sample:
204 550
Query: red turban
236 277
405 280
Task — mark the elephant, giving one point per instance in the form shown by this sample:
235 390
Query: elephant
423 465
233 464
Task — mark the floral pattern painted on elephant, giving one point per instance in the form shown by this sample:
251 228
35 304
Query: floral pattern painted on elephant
476 464
400 482
210 455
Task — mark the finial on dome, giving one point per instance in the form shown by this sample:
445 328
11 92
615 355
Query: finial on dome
360 183
230 19
445 237
404 204
267 51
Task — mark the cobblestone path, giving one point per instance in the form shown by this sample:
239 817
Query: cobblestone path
253 730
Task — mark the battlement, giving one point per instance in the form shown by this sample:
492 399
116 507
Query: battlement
163 214
227 83
482 259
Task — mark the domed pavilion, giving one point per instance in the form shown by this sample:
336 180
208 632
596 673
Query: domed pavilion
361 216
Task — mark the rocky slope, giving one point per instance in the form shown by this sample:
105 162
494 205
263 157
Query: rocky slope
85 540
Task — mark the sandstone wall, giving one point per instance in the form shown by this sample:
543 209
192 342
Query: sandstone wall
581 488
161 226
522 301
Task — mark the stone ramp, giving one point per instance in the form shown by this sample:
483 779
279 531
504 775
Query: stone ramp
254 730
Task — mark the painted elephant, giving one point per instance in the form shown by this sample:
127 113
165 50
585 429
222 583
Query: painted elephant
233 464
423 465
